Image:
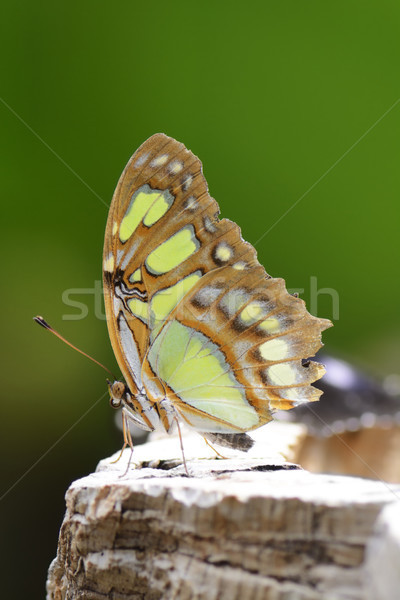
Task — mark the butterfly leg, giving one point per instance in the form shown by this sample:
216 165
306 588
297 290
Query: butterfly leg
126 443
181 443
127 439
215 450
125 428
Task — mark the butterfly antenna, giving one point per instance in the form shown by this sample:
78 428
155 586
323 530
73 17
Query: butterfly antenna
44 324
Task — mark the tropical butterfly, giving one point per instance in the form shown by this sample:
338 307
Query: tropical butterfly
201 333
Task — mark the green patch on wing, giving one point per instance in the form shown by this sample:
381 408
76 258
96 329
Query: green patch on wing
164 301
197 371
174 251
146 205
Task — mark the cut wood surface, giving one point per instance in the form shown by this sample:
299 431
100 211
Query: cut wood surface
252 526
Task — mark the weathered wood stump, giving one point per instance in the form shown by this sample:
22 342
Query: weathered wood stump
250 527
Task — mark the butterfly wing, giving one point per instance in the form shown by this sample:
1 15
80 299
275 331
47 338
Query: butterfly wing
151 253
192 315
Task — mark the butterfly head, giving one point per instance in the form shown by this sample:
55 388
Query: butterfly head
118 391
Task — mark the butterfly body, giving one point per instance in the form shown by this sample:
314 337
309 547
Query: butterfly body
200 331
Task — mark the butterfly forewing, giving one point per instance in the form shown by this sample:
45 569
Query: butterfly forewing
193 317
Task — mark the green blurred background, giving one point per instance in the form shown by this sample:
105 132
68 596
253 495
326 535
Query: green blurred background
270 96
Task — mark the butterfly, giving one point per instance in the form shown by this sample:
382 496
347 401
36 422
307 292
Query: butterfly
201 333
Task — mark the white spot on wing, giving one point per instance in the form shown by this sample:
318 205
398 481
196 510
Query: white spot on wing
209 225
270 325
281 374
109 264
276 349
175 167
253 312
187 181
233 301
159 161
223 252
293 394
141 160
191 204
116 305
240 266
207 295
